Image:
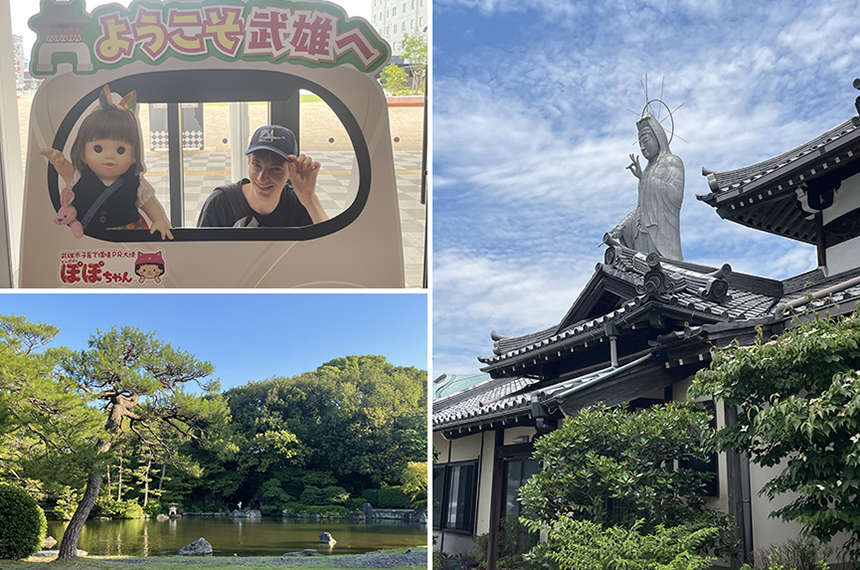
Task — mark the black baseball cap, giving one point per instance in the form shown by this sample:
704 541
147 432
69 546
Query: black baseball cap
275 138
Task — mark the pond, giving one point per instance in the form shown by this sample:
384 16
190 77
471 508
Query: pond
260 537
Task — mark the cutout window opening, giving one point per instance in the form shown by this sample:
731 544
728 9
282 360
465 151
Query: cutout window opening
191 109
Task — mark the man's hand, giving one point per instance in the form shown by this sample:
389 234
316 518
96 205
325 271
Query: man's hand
303 174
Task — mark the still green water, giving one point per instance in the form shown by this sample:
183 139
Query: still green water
266 537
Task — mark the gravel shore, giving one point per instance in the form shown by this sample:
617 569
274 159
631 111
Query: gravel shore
371 560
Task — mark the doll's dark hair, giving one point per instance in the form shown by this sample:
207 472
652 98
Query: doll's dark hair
107 124
139 265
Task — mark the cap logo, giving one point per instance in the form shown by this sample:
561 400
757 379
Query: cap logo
268 135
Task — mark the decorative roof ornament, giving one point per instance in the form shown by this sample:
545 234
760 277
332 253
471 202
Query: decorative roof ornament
856 120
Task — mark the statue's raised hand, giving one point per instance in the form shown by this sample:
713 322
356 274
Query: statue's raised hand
634 166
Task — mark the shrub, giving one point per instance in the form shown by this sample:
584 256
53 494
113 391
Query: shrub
585 545
123 509
798 554
312 496
393 498
393 79
154 508
355 504
24 525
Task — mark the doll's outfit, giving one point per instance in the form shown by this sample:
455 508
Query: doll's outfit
119 210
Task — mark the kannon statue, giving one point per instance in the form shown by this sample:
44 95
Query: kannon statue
655 225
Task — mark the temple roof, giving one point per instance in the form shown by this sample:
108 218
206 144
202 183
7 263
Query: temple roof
772 195
747 304
626 283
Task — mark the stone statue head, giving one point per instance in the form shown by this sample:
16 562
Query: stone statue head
653 141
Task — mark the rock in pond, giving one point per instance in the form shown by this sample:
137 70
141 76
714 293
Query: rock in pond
305 552
327 538
199 547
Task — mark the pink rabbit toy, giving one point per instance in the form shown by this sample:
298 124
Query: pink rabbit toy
67 215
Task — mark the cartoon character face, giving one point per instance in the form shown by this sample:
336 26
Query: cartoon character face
109 159
149 271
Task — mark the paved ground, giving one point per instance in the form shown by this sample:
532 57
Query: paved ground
322 137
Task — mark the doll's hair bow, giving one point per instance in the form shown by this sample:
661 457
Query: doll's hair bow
127 103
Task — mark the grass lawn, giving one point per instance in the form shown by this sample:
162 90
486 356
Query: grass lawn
215 563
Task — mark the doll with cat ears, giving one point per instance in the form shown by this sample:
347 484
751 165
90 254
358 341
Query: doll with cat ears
104 174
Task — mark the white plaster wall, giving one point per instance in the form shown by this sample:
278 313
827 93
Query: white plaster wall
466 448
843 256
845 200
767 531
511 433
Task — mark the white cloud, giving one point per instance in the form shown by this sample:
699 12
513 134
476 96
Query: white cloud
531 140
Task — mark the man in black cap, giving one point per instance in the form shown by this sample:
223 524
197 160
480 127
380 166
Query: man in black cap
280 190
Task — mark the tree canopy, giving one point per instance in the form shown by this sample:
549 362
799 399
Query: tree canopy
112 429
799 411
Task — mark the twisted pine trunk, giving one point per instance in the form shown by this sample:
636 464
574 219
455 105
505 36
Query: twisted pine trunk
121 406
69 545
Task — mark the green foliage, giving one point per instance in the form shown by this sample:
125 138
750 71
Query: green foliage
154 508
393 79
331 495
515 541
46 427
610 466
414 483
355 504
23 523
357 422
585 545
388 498
123 509
800 402
414 51
797 554
67 503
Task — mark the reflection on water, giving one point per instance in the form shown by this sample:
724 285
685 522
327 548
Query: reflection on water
266 537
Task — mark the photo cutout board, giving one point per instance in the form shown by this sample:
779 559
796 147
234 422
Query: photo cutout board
177 78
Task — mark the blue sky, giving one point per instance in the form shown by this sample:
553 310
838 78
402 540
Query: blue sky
533 127
247 337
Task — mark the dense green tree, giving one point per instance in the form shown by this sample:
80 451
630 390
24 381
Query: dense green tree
355 421
414 51
46 428
138 382
799 411
604 456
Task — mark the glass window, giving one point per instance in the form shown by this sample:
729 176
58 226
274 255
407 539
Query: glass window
395 31
404 7
516 473
421 21
412 24
394 11
454 498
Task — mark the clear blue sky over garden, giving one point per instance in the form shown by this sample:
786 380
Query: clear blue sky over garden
247 337
535 103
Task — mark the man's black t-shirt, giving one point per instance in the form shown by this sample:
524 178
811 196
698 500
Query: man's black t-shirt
227 207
